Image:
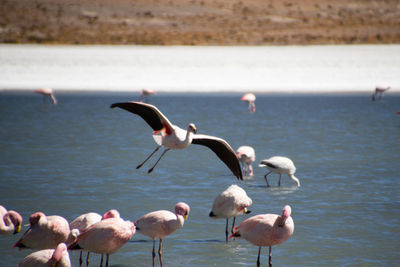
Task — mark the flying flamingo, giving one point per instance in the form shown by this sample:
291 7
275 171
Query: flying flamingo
230 203
45 232
173 137
47 92
246 156
10 221
105 237
250 99
280 165
266 230
48 257
145 93
161 223
379 90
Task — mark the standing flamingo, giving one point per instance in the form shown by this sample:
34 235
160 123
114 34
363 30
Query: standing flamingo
246 156
250 99
145 93
45 232
379 90
161 223
173 137
266 230
10 221
48 257
47 92
230 203
280 165
105 237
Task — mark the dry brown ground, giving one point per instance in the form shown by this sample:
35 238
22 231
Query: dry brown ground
200 22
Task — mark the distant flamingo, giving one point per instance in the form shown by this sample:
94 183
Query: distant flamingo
83 222
173 137
379 90
161 223
48 257
105 237
10 221
230 203
250 99
47 92
45 232
145 93
266 230
246 156
398 112
280 165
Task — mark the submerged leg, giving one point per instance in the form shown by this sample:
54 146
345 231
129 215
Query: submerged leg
141 164
107 260
280 176
101 261
233 224
80 259
151 169
265 177
160 252
258 258
154 252
87 259
270 258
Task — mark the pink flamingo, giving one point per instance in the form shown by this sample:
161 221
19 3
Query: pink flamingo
173 137
47 92
379 90
280 165
246 156
45 232
250 99
48 257
10 221
145 93
230 203
105 237
266 230
161 223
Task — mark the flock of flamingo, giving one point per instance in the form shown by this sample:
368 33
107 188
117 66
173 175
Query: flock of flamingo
53 236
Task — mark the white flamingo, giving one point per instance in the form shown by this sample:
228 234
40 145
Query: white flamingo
230 203
47 92
246 156
250 99
173 137
10 221
280 165
145 93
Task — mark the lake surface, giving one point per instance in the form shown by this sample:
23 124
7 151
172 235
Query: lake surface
80 156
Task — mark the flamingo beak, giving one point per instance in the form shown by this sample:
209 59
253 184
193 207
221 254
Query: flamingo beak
185 217
17 229
246 211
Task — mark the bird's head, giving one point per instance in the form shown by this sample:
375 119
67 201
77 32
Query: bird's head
287 210
192 128
182 209
16 220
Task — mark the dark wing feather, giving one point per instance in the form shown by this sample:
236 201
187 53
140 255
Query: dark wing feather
269 164
148 112
222 149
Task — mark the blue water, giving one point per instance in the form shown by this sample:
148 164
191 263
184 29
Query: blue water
80 156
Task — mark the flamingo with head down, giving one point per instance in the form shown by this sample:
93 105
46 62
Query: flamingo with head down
280 165
173 137
250 99
246 156
145 93
47 92
48 257
266 230
379 90
10 221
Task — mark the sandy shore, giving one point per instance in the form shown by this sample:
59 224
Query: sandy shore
200 22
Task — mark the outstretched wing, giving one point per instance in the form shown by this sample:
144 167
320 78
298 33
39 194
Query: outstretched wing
149 113
222 149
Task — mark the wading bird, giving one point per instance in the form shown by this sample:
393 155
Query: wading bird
266 230
10 221
379 90
45 232
173 137
230 203
161 223
47 92
145 93
280 165
250 99
246 156
48 257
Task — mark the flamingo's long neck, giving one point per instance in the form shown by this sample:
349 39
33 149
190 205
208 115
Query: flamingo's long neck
294 178
188 138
